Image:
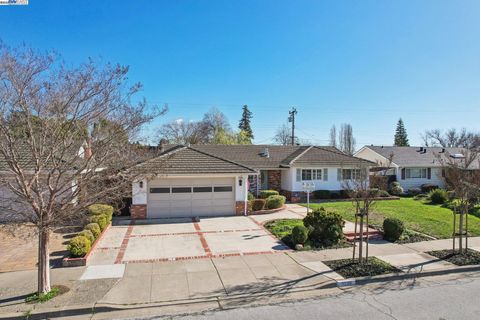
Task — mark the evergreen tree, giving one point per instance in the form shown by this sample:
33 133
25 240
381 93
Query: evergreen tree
244 124
401 138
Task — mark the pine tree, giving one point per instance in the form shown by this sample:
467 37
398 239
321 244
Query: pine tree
244 124
401 138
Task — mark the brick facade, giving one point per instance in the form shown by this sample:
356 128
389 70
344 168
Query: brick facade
138 211
274 179
240 208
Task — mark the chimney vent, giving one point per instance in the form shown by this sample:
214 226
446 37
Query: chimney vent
265 153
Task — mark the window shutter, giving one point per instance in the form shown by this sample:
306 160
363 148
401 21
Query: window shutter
339 174
403 173
429 173
325 174
299 174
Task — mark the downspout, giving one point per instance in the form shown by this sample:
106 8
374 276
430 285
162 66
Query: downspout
245 203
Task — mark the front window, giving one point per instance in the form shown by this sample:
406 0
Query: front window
309 174
351 174
416 173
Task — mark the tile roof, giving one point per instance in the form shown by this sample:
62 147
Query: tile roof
412 156
188 160
252 156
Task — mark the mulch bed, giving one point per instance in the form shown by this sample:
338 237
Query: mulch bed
460 259
348 268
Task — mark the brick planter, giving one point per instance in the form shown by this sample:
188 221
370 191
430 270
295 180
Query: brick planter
82 261
252 213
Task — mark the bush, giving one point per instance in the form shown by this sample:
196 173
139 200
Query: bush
414 191
94 228
392 229
79 246
451 195
438 196
322 194
264 194
427 187
325 228
250 196
383 194
101 220
258 204
299 235
275 202
395 188
99 209
87 234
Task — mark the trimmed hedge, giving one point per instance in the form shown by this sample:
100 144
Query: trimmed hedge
94 228
264 194
87 234
250 196
322 194
299 235
275 202
79 246
258 204
392 229
99 209
101 220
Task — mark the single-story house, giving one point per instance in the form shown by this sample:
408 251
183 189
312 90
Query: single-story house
215 179
412 166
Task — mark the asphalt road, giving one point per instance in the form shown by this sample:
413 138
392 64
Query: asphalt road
424 299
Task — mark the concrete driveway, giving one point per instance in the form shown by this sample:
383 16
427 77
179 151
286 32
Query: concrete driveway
181 239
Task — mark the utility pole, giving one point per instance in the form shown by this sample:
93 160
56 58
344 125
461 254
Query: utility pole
291 118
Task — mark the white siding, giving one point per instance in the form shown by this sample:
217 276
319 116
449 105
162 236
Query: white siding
332 183
436 178
139 195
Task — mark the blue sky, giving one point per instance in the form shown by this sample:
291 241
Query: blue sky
362 62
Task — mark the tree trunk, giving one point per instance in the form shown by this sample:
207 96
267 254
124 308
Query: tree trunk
360 248
43 261
460 232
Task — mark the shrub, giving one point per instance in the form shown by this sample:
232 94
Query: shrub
427 187
299 235
79 246
99 209
87 234
258 204
322 194
395 188
250 196
414 191
274 202
383 194
392 229
101 220
264 194
438 196
451 195
94 229
325 228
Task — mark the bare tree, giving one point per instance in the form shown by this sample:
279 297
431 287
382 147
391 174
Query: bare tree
63 141
184 132
356 182
452 138
214 121
283 136
462 176
346 140
333 136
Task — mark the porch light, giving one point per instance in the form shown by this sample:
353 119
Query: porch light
240 181
140 184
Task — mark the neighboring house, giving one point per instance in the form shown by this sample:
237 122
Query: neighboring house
412 166
214 179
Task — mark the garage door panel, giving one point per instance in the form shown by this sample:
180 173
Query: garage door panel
200 200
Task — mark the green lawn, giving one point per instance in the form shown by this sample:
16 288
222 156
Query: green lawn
420 216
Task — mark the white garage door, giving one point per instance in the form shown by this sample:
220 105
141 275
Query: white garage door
190 197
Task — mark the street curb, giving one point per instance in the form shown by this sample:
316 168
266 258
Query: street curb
96 308
401 276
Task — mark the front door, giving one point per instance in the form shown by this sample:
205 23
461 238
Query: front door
263 180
